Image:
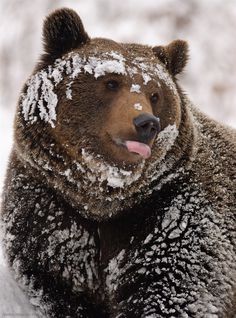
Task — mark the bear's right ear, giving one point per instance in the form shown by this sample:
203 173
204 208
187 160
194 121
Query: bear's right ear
62 31
174 56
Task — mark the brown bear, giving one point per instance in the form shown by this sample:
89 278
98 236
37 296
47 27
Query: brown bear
120 195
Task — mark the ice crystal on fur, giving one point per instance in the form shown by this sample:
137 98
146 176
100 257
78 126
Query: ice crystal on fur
69 91
138 106
135 88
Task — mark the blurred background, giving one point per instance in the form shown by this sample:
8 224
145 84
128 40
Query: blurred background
208 26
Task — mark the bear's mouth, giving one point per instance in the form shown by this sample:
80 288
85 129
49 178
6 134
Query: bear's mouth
139 148
135 147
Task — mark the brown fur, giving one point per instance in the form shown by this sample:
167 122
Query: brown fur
62 32
90 228
174 55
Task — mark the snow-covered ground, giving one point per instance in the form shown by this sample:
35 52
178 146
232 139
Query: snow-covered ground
210 77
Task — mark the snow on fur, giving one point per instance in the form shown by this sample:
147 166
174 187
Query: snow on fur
40 92
135 88
138 106
101 171
178 263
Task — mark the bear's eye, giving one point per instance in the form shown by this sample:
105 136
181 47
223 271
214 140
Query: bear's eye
154 98
112 85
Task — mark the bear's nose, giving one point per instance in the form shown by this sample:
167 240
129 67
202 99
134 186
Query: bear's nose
147 126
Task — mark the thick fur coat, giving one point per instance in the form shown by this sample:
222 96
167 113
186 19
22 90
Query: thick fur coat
92 229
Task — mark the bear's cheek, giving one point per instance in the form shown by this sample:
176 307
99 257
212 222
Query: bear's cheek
79 125
169 110
69 132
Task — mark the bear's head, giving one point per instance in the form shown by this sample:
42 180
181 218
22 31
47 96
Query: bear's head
102 122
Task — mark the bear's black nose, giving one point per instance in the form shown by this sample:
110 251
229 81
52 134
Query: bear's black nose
147 126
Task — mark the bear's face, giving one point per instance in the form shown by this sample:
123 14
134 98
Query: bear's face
116 104
97 114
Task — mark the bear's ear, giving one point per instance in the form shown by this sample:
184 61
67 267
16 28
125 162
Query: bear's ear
62 32
174 55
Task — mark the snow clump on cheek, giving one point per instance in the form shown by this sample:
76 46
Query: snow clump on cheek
45 102
40 99
164 142
167 137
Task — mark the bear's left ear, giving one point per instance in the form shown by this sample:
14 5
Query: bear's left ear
63 31
174 55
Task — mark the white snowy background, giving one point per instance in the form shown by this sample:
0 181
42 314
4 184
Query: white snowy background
209 79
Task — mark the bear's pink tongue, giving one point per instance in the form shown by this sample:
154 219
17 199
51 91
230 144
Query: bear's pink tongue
139 148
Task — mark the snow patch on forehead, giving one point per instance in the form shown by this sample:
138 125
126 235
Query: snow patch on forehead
110 62
107 63
150 70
